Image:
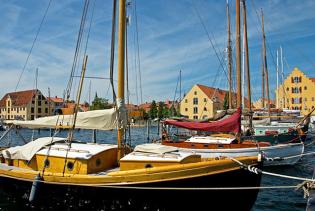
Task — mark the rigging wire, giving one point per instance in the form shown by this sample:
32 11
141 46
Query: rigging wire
218 55
33 44
138 49
78 47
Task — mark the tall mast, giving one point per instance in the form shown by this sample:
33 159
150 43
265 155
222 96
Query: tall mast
112 50
249 94
90 88
265 62
49 102
36 95
277 72
243 61
180 85
238 56
229 53
121 66
263 66
282 77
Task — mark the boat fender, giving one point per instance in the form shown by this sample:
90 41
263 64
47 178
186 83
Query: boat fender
260 156
35 188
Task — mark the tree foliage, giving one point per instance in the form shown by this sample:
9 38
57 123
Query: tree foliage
161 110
100 103
226 101
153 112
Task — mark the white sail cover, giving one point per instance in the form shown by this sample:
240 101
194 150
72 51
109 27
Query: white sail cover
97 119
27 151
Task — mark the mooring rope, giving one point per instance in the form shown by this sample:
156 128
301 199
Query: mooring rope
256 170
288 157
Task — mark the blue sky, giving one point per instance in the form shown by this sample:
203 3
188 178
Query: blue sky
171 38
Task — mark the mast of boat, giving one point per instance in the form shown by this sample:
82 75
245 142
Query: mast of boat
282 77
249 94
243 60
180 85
36 95
121 66
49 102
277 72
265 62
238 56
77 102
229 53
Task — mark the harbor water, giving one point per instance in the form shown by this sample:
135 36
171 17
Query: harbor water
268 199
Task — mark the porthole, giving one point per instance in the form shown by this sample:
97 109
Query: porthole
98 162
46 163
148 165
70 166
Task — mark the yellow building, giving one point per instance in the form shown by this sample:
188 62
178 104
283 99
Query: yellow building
202 102
259 104
26 105
297 92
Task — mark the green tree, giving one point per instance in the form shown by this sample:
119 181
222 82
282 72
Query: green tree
100 103
172 111
160 110
226 101
153 112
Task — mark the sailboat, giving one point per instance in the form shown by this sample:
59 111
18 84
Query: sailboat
276 132
209 144
67 168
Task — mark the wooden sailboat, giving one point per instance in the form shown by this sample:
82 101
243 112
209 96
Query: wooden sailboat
210 146
63 168
276 132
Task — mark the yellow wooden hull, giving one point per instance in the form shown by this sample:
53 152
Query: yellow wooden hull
138 176
193 186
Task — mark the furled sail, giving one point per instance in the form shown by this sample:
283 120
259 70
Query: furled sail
230 124
98 119
27 151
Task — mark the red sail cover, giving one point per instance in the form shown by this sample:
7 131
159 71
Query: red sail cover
230 124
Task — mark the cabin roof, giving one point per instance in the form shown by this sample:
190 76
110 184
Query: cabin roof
78 150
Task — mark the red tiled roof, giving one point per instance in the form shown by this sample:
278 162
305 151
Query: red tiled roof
145 106
312 79
19 98
131 107
217 93
55 99
213 92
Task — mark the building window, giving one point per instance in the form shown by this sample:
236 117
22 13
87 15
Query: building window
312 98
195 117
288 89
195 101
46 110
32 110
186 109
195 110
205 109
205 100
305 87
296 90
186 101
39 103
39 110
195 93
296 100
296 79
